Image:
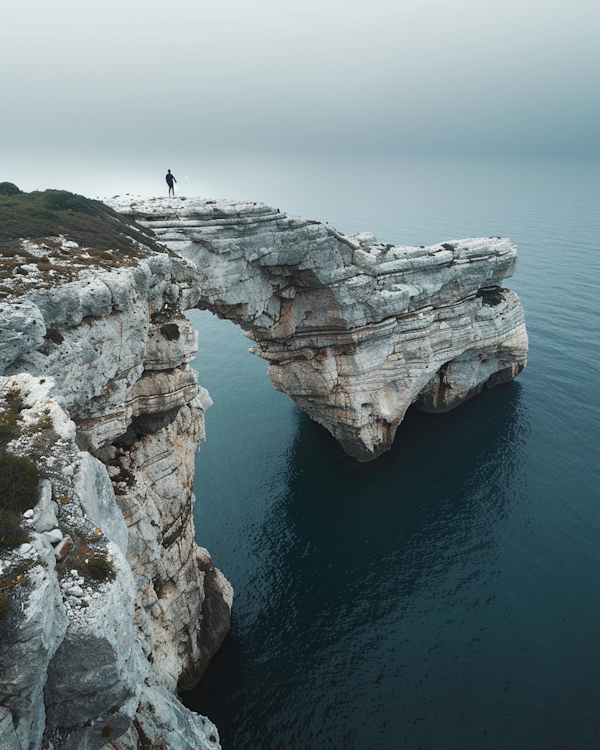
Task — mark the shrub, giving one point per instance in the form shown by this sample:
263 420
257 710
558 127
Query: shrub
39 216
4 604
46 422
8 188
90 560
18 493
100 567
61 200
13 406
18 482
99 253
8 427
11 533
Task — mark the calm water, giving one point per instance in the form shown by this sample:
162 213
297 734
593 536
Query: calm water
445 595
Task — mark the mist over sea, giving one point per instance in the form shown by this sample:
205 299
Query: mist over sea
445 595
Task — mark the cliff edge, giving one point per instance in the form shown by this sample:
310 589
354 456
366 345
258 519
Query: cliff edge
107 606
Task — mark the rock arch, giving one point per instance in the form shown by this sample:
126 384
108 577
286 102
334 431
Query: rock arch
354 331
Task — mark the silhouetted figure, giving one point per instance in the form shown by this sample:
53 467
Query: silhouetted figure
170 180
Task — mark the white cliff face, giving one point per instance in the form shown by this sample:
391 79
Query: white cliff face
70 663
113 418
355 331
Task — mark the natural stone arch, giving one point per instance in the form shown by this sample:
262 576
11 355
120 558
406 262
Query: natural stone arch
354 331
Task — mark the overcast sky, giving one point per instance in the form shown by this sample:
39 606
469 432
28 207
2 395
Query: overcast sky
124 78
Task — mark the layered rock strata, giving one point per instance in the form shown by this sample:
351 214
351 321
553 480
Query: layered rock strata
109 607
112 606
355 331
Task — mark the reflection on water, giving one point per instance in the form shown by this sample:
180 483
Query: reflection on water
443 596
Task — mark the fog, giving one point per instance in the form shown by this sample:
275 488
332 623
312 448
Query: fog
131 82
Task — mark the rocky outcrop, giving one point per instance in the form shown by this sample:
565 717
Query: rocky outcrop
112 606
355 331
107 606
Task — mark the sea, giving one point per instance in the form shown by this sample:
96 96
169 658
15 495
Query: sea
447 595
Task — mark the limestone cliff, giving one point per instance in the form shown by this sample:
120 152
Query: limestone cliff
355 331
108 606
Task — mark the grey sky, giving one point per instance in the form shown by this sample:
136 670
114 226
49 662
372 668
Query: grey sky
409 76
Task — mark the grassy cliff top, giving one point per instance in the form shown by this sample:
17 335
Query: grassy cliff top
53 213
57 230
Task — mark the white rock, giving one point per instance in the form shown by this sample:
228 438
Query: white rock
165 718
8 736
354 331
28 268
25 652
63 547
54 536
96 495
24 549
22 329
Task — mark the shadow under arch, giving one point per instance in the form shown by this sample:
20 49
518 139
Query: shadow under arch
446 476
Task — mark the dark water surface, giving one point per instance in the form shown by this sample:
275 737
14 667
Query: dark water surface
446 595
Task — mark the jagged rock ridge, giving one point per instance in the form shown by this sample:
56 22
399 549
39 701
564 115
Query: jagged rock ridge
355 331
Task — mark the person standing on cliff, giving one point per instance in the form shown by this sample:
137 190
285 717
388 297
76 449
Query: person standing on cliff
170 180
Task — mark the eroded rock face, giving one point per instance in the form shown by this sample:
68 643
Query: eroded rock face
354 331
112 607
112 416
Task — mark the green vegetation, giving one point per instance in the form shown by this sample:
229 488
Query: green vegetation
9 417
94 226
62 200
91 561
8 188
18 490
4 604
45 422
18 476
100 567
